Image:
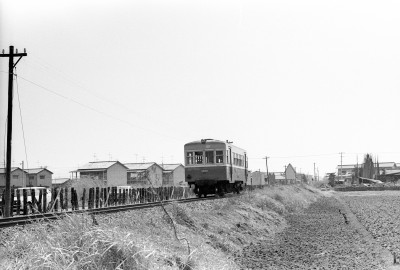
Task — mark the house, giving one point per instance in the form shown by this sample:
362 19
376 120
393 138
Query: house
40 177
144 174
290 174
113 173
18 177
173 175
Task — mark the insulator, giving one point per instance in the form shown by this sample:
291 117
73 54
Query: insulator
16 50
24 50
3 51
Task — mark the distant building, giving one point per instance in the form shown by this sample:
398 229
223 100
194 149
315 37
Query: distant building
40 177
257 178
113 173
144 174
349 169
277 178
173 175
18 177
290 174
60 182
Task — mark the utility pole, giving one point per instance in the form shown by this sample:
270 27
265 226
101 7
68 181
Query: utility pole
314 173
266 164
341 165
11 66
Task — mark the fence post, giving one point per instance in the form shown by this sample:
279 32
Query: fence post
44 204
18 202
106 195
66 199
40 202
90 202
25 201
84 198
76 200
61 199
101 197
33 199
72 199
97 197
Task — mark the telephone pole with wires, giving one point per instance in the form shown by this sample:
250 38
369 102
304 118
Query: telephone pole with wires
11 66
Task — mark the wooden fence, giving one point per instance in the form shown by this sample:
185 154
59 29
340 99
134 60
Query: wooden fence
28 201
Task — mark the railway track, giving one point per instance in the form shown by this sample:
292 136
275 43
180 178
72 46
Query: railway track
22 220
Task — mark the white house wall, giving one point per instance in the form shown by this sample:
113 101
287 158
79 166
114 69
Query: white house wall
116 175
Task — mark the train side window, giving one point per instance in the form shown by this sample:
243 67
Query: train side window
189 158
209 157
198 157
219 156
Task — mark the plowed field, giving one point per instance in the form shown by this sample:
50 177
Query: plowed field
379 213
324 236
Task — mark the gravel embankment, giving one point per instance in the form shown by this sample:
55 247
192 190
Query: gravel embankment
324 236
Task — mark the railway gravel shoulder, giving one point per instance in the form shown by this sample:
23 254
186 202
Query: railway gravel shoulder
326 235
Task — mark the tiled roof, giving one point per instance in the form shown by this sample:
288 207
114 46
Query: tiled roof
170 167
97 165
139 166
3 170
36 170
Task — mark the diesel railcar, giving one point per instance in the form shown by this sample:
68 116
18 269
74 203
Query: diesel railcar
215 167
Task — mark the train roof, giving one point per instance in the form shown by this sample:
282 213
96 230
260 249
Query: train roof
207 141
212 141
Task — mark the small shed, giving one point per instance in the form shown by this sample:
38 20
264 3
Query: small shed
112 173
257 178
144 174
39 177
173 175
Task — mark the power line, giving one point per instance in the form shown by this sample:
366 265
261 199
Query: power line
95 110
20 113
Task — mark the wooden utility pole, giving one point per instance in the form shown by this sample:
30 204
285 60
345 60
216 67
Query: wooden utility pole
266 164
11 66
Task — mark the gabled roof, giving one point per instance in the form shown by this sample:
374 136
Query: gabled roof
170 167
98 165
36 170
290 166
3 170
140 166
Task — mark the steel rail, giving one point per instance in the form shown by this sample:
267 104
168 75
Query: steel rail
27 219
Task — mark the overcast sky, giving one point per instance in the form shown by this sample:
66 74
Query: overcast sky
298 81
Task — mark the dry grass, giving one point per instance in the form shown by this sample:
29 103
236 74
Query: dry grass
216 232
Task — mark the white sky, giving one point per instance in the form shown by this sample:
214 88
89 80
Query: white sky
131 79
